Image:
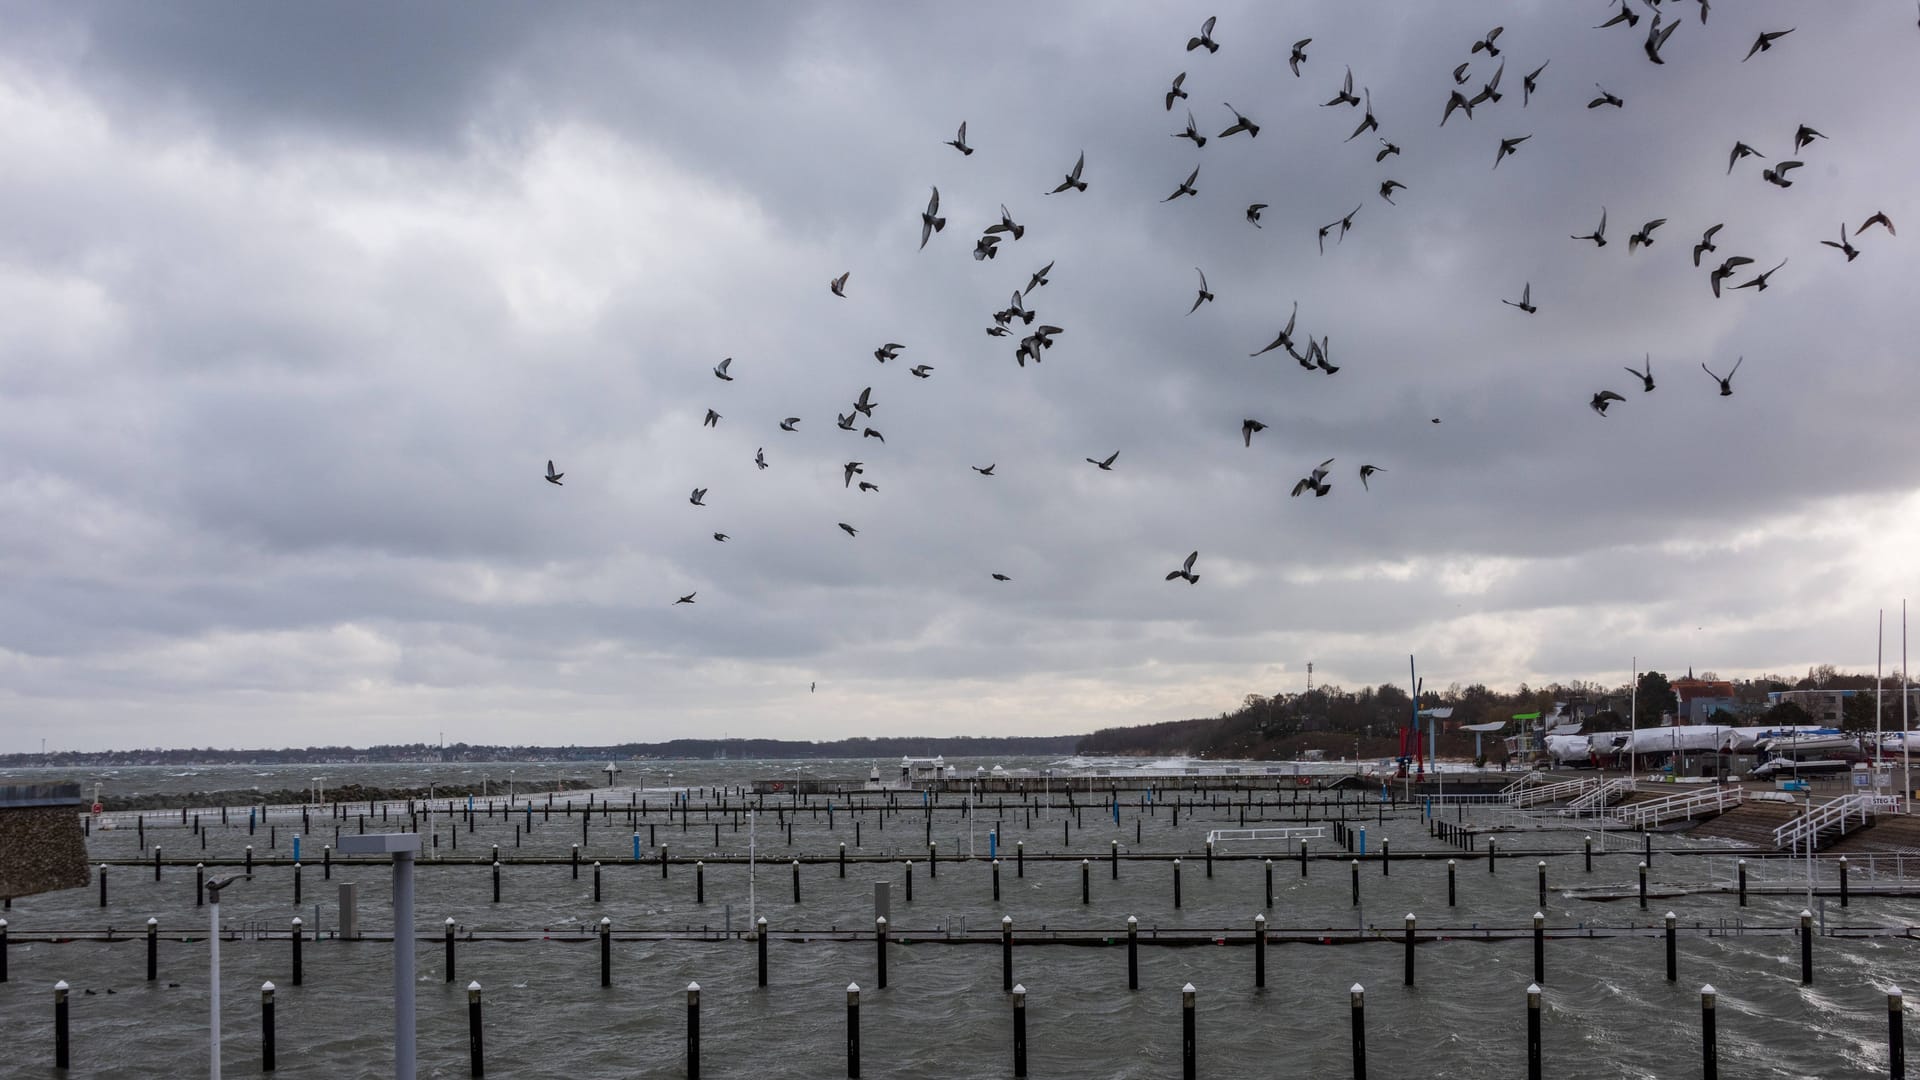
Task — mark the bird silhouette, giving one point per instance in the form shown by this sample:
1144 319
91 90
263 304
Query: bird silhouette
698 495
1626 14
1038 279
1879 218
988 471
1602 399
1531 82
1386 149
1526 299
1367 471
865 486
1843 246
1299 55
1645 235
921 371
1247 429
1001 577
1739 151
1460 73
687 599
1285 338
1487 43
1345 96
848 529
1803 137
1645 377
1240 123
1367 122
845 423
554 477
1315 481
720 370
1204 294
760 457
1606 98
1253 213
865 404
986 248
1072 179
839 285
1758 282
722 537
1724 271
930 220
960 142
1192 133
1387 188
1657 38
1107 465
1186 571
850 470
1599 234
1007 225
1777 175
1726 384
1175 91
1456 100
889 351
712 420
1508 147
1186 186
1490 90
1765 41
1205 40
871 433
1706 243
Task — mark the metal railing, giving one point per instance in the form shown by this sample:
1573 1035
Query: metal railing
1674 807
1834 813
1546 793
1603 794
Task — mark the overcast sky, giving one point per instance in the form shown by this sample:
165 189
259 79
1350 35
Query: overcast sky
296 302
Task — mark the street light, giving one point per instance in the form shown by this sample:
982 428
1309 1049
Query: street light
403 847
213 964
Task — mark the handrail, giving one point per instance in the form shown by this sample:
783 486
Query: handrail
1832 812
1679 805
1603 794
1565 789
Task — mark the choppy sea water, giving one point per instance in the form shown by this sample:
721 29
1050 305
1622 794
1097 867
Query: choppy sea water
1609 1010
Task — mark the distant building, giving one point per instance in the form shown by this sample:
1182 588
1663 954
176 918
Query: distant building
1830 706
1701 698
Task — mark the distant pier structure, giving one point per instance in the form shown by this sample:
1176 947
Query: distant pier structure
42 845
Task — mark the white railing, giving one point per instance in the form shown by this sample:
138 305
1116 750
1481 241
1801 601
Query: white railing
1834 812
1603 795
1275 834
1546 793
1686 804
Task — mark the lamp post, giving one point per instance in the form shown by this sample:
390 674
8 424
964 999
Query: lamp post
403 847
213 966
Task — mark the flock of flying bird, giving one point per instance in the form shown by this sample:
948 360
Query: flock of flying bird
1316 355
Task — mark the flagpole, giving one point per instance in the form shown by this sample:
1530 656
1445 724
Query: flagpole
1879 649
1906 739
1633 723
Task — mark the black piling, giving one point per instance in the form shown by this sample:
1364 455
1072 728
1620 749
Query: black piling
1187 1047
1673 953
295 934
693 1031
153 949
933 860
576 862
1451 894
476 1061
1006 954
1356 882
596 881
843 858
1086 882
496 881
606 951
1896 1034
1709 1052
853 1031
1493 853
1209 859
1133 953
1533 1032
1646 847
1019 1031
266 1027
449 944
909 881
796 881
62 1058
1113 858
1806 947
1020 858
1269 892
700 882
1743 883
880 951
1843 880
1407 979
1386 856
1540 873
156 862
1357 1001
103 884
1589 849
1176 884
296 884
1303 858
996 880
3 950
1259 952
760 934
1539 947
1643 886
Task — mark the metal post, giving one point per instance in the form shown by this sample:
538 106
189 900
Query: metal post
693 1031
449 943
996 881
1589 846
1539 947
1386 856
103 884
1408 979
760 933
1896 1034
1303 855
853 1030
1450 890
796 881
606 951
1357 1000
153 949
1133 953
266 1027
1086 881
1541 872
1187 1048
1113 858
1806 947
1006 953
1020 858
1259 952
61 1057
3 950
596 881
1493 852
496 881
1533 1032
297 933
1709 1053
1843 881
1673 952
1643 886
1019 1031
476 1060
1269 893
1176 883
843 858
1743 882
403 1022
880 949
1355 869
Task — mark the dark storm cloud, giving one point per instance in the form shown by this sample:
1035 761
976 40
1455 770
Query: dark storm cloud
309 295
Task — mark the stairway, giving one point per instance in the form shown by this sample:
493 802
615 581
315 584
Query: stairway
1749 823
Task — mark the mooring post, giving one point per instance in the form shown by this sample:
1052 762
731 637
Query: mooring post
606 951
1408 979
1355 872
1709 1053
1589 847
103 884
1269 892
760 934
266 1027
1187 1048
909 881
1113 858
1259 952
1303 857
1843 880
596 881
1539 947
3 950
1533 1032
61 1057
1643 886
1451 867
449 943
1743 882
1896 1034
880 949
1806 947
1541 874
1019 859
796 881
576 862
153 949
1209 857
496 881
1386 856
1176 883
1019 1031
156 862
1133 953
1357 1002
1492 853
853 1031
476 1061
297 932
1647 848
1086 881
693 1031
663 860
1673 958
1006 953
